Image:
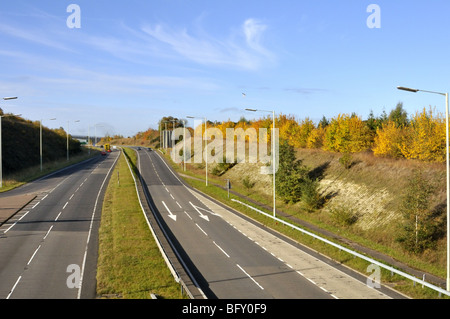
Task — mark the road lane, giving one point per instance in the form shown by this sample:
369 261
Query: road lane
226 263
52 234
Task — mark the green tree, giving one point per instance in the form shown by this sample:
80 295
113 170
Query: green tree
311 198
420 227
398 115
291 174
324 122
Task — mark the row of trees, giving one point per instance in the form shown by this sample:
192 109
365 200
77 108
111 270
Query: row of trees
395 135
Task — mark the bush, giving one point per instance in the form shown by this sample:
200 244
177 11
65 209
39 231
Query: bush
248 184
346 160
311 198
343 216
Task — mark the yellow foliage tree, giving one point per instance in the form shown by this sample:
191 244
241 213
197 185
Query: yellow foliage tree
389 140
426 137
306 127
315 138
289 130
347 134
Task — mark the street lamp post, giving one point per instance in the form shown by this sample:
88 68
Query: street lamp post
273 153
165 134
40 138
68 137
184 145
160 136
1 146
447 169
206 146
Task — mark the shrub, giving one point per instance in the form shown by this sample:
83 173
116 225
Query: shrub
311 198
248 184
343 216
346 160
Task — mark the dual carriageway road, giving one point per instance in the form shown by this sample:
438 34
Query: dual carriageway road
54 239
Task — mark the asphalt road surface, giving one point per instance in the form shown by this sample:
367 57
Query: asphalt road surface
49 249
229 263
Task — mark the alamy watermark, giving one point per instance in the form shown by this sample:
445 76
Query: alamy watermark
74 19
234 150
74 279
374 19
374 279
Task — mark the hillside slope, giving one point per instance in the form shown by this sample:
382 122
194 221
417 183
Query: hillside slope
21 144
372 190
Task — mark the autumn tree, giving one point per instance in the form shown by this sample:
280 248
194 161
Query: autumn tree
426 138
346 134
389 139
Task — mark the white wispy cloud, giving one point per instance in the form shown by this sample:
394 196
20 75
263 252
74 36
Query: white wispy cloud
246 51
38 37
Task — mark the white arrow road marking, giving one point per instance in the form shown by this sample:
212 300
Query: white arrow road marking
205 217
174 217
208 211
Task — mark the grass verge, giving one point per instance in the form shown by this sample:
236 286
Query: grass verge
130 265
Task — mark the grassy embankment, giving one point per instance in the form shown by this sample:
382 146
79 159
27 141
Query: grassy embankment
130 265
21 151
372 189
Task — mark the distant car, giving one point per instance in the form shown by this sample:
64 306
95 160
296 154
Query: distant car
103 153
149 148
139 148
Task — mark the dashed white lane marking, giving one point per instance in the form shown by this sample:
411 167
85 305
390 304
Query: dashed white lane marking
221 249
201 229
49 230
188 215
281 260
29 261
14 287
301 274
250 277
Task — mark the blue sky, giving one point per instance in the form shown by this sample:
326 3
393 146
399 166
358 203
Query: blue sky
133 62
